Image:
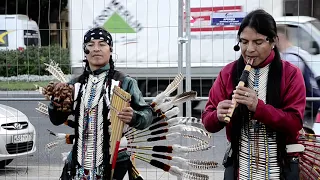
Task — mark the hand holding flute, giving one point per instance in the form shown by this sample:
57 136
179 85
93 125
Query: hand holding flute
242 95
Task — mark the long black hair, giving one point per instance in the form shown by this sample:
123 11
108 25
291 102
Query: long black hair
264 24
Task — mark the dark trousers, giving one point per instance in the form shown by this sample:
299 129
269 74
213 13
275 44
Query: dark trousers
290 173
121 169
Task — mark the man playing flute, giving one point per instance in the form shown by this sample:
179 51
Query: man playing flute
268 110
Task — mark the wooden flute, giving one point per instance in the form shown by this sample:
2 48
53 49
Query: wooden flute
243 80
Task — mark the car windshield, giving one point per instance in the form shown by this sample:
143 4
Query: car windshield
316 23
31 38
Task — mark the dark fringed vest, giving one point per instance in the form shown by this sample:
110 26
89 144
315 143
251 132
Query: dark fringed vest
242 113
106 167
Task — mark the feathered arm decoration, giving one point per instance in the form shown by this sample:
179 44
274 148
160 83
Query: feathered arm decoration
191 121
167 115
179 99
175 148
42 108
171 129
56 71
196 164
61 138
170 88
172 112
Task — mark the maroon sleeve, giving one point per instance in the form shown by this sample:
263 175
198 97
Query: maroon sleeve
209 116
288 119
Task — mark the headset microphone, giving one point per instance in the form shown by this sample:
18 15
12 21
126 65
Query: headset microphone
86 51
236 47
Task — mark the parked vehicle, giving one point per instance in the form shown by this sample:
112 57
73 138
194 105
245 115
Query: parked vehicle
304 32
17 32
17 135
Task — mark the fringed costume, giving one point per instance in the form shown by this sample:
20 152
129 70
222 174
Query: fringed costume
89 98
261 144
258 145
92 91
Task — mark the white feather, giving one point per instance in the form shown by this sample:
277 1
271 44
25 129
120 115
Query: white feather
196 164
172 112
184 149
39 88
42 108
165 106
172 136
176 171
182 127
179 99
56 71
179 160
170 88
52 145
61 135
187 174
183 120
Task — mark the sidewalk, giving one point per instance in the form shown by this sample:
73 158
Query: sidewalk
157 174
20 94
53 173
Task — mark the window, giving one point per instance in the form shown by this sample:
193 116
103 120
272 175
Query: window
301 38
31 38
4 40
315 23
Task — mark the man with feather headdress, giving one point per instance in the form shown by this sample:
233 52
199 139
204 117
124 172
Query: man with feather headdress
89 104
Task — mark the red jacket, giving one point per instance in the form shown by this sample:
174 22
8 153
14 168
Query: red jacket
288 119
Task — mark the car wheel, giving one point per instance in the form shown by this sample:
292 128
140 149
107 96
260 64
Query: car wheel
4 163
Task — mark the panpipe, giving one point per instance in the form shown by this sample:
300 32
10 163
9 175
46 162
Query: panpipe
120 99
243 80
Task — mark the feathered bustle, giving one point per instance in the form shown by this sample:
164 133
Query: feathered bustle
165 128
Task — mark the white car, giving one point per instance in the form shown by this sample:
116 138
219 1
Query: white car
304 32
17 135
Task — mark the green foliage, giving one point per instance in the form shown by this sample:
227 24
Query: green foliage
31 60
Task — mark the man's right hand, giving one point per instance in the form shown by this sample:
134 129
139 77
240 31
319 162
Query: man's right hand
223 109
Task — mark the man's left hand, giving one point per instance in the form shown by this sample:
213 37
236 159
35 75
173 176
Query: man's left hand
126 115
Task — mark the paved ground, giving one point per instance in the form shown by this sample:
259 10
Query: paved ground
53 172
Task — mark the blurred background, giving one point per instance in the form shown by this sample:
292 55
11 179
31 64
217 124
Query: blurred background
153 42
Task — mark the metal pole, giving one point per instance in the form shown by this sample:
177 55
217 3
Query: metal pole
180 54
180 48
188 57
312 8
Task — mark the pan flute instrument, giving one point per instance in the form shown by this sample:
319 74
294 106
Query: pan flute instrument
120 99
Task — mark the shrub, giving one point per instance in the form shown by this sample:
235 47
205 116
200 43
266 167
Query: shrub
31 60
